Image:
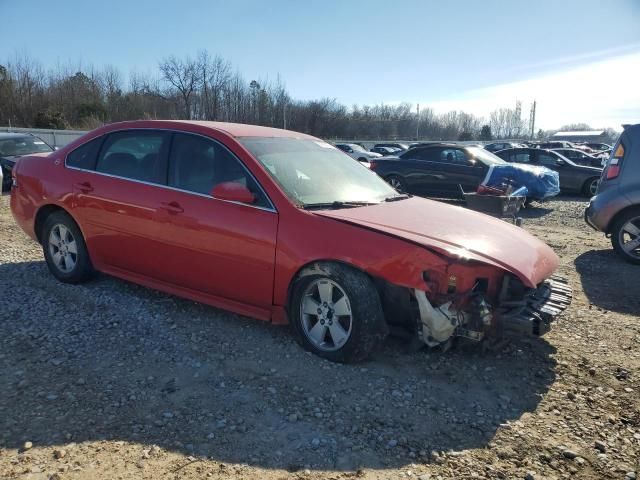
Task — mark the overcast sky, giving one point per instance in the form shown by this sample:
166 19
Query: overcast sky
579 59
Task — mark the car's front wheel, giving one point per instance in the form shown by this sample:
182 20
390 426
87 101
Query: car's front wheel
336 312
64 249
625 236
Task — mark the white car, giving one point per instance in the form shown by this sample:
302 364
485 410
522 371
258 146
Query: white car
356 151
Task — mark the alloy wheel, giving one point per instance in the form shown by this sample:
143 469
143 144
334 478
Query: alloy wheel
396 183
327 319
629 237
63 248
593 187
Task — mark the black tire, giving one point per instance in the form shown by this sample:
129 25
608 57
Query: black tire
368 327
616 231
401 185
586 188
82 270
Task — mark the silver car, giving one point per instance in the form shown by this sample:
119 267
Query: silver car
615 209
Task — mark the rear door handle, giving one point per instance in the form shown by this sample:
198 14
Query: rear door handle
84 187
171 207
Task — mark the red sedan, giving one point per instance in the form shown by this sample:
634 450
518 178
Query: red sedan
283 227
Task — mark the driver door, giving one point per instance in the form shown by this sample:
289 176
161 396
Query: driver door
221 248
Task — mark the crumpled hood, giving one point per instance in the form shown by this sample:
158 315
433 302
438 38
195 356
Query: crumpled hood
457 232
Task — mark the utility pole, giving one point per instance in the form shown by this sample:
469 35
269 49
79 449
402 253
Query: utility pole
284 115
532 119
418 124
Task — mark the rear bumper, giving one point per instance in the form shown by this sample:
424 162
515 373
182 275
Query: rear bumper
604 206
534 313
588 213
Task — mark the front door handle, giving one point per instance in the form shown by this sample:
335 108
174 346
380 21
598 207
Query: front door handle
171 207
84 187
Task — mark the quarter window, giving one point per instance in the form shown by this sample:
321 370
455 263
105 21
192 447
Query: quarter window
197 164
138 155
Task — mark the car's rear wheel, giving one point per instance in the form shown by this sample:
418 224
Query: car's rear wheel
590 187
65 250
625 236
336 312
397 182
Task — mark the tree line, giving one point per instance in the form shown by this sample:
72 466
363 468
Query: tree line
207 87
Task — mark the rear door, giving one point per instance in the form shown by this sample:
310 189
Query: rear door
415 172
115 195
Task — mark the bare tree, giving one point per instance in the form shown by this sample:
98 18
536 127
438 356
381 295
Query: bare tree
185 75
207 87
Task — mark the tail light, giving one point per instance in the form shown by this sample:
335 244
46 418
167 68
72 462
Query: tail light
373 164
615 163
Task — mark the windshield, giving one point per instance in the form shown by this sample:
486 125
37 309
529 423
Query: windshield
314 172
485 156
357 148
18 146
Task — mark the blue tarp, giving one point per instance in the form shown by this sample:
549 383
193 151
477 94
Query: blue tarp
541 182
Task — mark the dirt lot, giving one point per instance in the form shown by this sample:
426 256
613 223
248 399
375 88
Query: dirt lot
111 380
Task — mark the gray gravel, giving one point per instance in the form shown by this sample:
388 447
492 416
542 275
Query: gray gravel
113 380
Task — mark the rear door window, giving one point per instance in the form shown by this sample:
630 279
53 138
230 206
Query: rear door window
428 154
136 155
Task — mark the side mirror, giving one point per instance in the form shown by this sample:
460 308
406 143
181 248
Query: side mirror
233 192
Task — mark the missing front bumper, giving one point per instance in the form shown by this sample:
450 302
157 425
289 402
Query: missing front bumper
531 314
534 313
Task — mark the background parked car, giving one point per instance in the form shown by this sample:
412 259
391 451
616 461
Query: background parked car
437 169
580 157
615 210
557 144
385 151
494 147
14 146
399 146
599 147
573 177
356 151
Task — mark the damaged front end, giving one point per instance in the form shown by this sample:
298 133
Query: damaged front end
473 315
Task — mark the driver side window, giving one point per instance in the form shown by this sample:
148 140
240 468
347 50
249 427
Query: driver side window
197 164
547 160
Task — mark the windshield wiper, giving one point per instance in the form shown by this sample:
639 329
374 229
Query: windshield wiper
395 198
335 205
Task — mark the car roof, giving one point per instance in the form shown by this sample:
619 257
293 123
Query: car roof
439 144
232 129
5 135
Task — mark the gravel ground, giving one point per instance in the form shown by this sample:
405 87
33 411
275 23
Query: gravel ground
111 380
